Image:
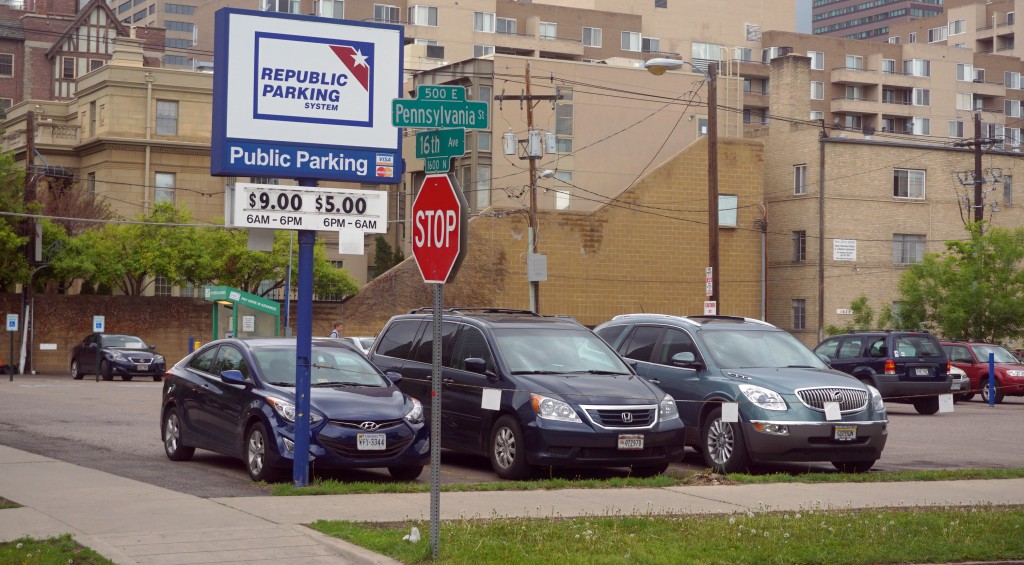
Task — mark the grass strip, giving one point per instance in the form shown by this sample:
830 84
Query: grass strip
61 549
332 486
813 536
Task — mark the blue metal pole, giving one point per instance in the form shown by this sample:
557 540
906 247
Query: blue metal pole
991 379
288 289
303 352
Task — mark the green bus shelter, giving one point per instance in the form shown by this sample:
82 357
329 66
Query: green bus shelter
259 317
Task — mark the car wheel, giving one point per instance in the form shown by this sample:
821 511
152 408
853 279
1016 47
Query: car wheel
853 466
75 373
645 471
722 444
508 450
157 378
966 396
986 391
171 432
927 406
105 371
405 472
127 377
257 447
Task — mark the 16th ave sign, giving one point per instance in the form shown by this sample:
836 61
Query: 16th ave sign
439 230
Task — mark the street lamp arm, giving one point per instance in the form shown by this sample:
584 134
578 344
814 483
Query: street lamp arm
659 65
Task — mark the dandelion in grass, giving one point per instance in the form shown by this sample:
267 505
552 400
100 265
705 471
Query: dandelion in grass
732 520
785 535
750 514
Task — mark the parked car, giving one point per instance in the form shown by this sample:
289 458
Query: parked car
529 390
972 357
237 397
126 356
780 386
960 384
908 367
361 343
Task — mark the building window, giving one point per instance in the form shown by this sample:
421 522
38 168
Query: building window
917 67
727 205
1011 80
920 126
630 41
548 30
1011 108
965 72
956 128
423 16
800 246
179 26
563 195
483 141
6 64
702 127
964 101
800 179
855 62
164 191
908 183
483 186
1011 137
167 117
124 7
817 90
743 54
922 97
179 9
483 50
854 92
563 119
161 286
138 16
92 118
706 51
591 37
67 67
1008 191
817 116
889 66
506 26
817 60
483 21
894 40
664 4
95 64
651 45
177 43
907 249
957 27
334 9
385 13
799 314
90 183
853 122
177 61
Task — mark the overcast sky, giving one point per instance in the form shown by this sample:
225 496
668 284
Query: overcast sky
803 16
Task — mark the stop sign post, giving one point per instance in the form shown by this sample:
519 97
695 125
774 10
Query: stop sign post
439 234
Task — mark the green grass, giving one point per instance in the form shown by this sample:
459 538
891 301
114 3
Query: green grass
57 550
331 486
920 535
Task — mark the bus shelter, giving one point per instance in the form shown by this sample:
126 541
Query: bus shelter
247 315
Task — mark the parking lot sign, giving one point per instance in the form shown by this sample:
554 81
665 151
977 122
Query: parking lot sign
12 322
98 324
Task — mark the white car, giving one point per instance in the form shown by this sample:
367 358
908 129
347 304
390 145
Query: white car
362 343
961 384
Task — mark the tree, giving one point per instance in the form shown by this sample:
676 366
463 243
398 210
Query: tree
973 291
14 267
383 257
863 318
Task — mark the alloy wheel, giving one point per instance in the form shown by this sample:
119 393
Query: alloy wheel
172 433
256 452
721 441
505 447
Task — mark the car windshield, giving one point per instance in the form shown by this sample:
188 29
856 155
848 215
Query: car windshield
124 342
331 366
1000 355
762 349
557 350
917 346
365 342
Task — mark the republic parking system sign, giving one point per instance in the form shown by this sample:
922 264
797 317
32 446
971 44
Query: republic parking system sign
303 97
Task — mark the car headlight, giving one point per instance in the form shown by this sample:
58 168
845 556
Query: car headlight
1015 373
286 410
551 409
876 399
415 414
763 397
158 359
116 356
668 409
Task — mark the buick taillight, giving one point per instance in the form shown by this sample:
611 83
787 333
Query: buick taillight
890 367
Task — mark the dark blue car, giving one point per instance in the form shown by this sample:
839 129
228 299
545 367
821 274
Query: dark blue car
237 397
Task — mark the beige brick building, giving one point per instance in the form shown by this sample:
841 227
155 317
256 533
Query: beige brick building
848 213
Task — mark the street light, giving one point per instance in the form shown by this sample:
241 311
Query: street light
658 67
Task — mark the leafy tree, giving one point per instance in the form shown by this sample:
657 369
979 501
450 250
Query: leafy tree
384 257
13 265
863 318
973 291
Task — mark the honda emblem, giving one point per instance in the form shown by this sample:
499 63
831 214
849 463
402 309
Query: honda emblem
627 418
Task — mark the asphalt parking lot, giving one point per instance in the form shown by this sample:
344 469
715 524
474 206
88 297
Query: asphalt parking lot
113 426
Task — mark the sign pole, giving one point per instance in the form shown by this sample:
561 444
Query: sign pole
303 353
435 426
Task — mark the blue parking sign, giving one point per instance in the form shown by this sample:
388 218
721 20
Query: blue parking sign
12 322
98 323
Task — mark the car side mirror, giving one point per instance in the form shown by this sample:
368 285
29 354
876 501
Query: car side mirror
479 365
394 377
93 346
630 362
687 360
825 358
233 377
152 348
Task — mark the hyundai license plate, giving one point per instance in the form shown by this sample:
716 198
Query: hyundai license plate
921 371
371 442
631 441
845 433
141 367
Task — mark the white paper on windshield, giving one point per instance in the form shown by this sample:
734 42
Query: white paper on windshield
832 411
730 412
491 399
945 403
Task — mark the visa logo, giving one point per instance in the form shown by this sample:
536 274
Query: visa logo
385 160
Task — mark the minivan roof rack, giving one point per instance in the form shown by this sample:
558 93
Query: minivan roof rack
477 309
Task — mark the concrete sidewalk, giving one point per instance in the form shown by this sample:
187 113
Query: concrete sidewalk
137 523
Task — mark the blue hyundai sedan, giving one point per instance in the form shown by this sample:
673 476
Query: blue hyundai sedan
237 397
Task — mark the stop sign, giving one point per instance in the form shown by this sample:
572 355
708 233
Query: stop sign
439 233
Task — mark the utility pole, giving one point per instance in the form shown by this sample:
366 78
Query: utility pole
713 185
29 227
978 144
530 100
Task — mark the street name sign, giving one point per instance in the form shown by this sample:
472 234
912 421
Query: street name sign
437 147
440 107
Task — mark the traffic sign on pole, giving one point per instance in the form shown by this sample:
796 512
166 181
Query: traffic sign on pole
439 107
439 231
437 147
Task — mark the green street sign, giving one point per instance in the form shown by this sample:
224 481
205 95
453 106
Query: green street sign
437 165
439 107
441 143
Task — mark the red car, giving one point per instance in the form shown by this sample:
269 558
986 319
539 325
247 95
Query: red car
973 359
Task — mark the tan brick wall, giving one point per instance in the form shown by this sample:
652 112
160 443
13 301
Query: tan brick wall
646 251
